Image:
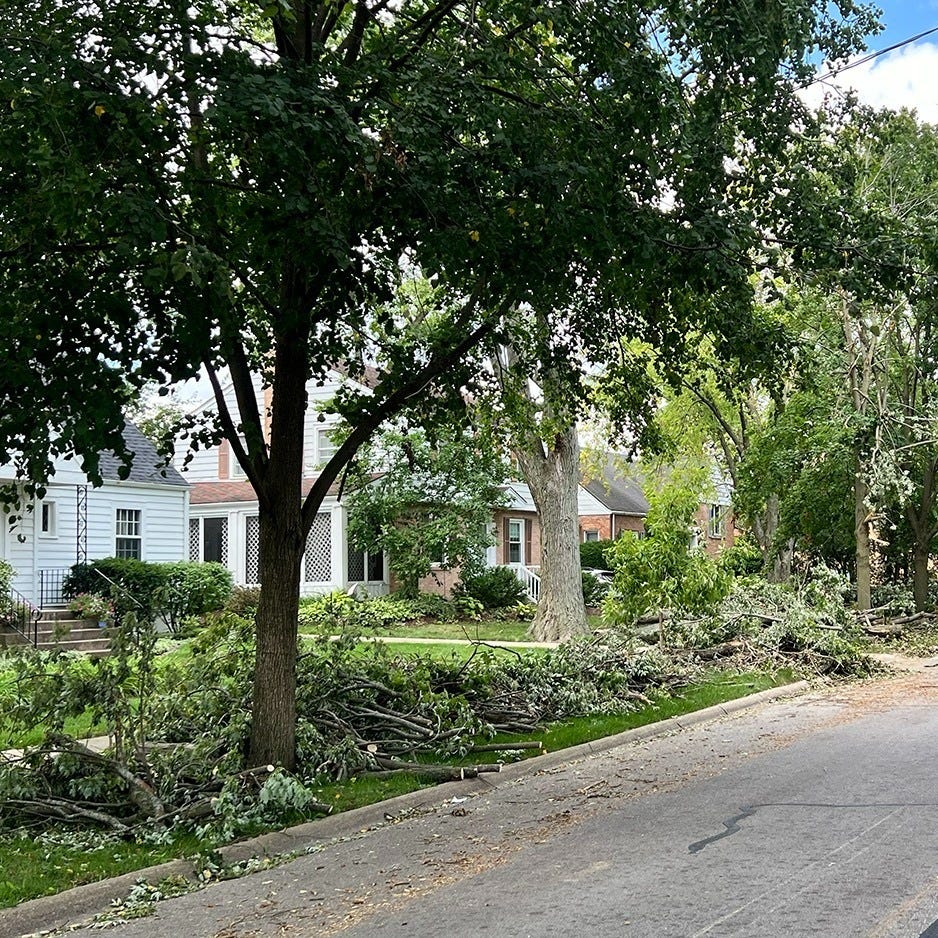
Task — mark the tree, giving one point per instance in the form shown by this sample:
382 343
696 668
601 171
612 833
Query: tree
430 504
538 403
662 571
231 186
721 416
875 265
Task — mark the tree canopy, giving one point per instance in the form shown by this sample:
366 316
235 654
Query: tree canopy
236 187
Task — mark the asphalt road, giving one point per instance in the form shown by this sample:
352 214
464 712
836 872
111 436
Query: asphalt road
812 816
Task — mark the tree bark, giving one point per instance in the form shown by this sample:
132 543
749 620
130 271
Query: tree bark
861 515
553 475
282 543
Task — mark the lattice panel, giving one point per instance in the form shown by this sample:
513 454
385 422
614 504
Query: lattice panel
252 550
356 565
194 540
318 563
224 541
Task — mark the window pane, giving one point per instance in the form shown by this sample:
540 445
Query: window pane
514 542
128 548
375 568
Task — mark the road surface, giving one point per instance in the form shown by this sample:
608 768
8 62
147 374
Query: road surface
811 816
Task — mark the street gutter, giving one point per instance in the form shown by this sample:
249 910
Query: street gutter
50 913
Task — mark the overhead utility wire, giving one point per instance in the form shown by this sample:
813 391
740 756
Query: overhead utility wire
833 73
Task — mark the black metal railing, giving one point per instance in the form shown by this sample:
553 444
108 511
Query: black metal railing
20 615
50 586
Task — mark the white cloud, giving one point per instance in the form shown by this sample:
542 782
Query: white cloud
906 78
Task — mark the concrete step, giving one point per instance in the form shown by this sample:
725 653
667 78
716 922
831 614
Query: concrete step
56 613
65 634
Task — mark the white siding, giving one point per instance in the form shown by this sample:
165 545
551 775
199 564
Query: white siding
587 504
203 467
164 529
164 520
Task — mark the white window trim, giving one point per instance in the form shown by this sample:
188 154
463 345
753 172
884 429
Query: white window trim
138 537
53 532
520 542
716 521
316 458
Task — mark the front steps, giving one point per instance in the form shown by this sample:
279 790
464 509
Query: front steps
58 628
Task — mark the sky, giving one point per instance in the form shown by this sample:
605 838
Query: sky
906 77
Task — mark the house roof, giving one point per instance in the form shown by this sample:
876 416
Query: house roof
620 496
239 490
148 466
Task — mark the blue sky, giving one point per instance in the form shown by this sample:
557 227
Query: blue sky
906 77
904 18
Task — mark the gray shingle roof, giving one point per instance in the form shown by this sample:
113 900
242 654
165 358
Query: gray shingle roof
620 496
148 465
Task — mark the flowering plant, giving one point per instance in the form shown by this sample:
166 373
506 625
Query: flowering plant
92 606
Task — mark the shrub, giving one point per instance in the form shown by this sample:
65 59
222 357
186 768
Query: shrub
148 590
192 589
243 600
495 588
743 558
593 555
593 589
138 584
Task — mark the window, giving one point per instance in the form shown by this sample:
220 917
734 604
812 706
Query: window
375 568
515 550
48 519
128 543
591 536
716 521
215 540
323 448
365 567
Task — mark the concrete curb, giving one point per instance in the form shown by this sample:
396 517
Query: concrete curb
52 912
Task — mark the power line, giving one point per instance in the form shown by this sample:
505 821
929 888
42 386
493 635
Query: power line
833 73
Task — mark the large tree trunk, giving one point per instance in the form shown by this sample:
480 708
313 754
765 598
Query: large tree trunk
920 576
921 521
553 475
861 516
273 724
282 542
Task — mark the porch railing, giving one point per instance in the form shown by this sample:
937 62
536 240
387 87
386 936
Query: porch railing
19 614
50 586
530 581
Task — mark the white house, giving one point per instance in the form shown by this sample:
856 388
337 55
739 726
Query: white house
224 525
145 516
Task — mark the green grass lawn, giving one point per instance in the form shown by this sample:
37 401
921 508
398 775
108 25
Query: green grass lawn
474 631
29 868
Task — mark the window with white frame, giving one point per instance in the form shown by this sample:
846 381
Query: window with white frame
128 541
591 536
515 544
323 448
716 521
48 519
